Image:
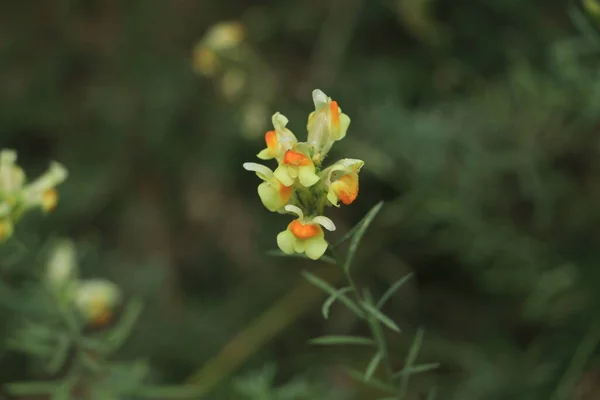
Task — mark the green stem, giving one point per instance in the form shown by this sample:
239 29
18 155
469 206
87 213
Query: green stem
374 328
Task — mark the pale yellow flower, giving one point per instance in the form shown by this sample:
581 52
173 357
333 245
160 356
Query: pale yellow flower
279 140
341 180
326 125
296 164
96 300
273 194
305 235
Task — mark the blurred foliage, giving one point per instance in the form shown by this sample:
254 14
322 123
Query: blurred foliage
478 124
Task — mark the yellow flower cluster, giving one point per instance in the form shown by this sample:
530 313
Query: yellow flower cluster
18 196
300 185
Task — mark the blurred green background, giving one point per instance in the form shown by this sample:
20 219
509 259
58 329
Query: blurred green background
478 124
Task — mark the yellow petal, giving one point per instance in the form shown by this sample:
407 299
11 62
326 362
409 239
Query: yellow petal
307 176
299 245
332 198
316 247
264 154
269 195
283 174
285 241
344 124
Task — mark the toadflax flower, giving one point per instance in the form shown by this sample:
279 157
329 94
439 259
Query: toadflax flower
293 187
96 299
305 235
279 140
326 125
297 164
341 180
42 192
273 194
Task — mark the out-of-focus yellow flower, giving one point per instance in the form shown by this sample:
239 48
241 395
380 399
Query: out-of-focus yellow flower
305 235
296 164
205 60
12 176
326 125
279 140
273 194
96 300
41 192
225 35
220 37
341 180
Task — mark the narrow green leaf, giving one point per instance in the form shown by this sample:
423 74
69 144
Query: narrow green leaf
279 253
360 231
413 353
320 283
331 299
393 289
381 317
119 334
341 340
374 383
60 354
31 388
348 234
417 369
373 364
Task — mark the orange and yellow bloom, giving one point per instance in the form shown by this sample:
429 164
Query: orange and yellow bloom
342 181
326 125
305 235
299 185
279 140
273 194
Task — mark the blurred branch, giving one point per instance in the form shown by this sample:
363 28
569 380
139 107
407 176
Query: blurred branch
275 319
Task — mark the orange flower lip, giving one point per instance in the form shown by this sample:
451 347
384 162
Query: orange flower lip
295 159
285 192
304 231
49 199
271 139
335 114
346 188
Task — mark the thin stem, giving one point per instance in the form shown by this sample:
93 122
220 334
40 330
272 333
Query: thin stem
375 329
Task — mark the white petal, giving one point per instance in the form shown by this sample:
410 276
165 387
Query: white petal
324 222
285 241
279 121
316 247
319 98
262 171
294 209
